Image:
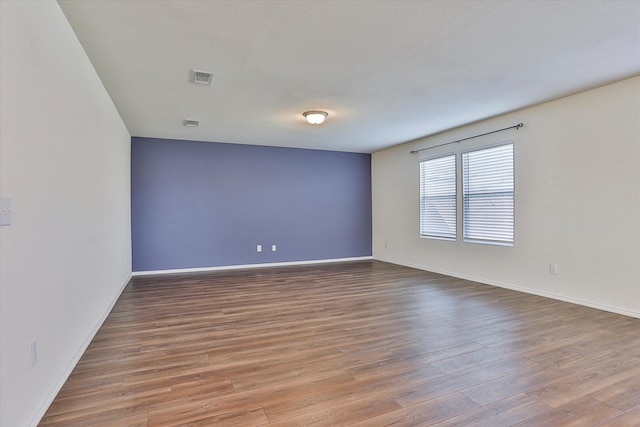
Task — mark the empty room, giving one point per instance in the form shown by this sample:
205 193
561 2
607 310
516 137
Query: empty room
319 213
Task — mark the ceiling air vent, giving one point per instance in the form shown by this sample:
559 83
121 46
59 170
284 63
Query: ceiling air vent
201 78
191 123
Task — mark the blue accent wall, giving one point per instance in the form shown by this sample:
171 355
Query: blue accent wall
203 204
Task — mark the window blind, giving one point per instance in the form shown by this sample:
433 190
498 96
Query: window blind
488 195
438 197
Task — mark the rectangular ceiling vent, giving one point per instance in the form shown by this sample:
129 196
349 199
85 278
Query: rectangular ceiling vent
191 123
201 78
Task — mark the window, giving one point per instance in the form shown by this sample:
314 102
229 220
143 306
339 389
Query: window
488 195
438 197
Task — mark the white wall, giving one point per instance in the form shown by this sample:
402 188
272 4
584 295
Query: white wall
577 163
64 161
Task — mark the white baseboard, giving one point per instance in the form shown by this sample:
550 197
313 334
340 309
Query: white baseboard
523 289
244 266
62 378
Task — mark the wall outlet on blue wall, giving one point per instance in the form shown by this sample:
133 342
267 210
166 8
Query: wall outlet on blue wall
258 248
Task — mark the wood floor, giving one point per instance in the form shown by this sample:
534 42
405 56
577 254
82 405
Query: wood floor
360 343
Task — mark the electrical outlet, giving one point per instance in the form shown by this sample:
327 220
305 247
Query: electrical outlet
5 211
33 354
258 248
273 248
553 269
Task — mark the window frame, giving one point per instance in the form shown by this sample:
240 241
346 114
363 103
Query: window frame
433 235
460 208
463 204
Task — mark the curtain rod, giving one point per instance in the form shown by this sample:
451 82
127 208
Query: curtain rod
519 125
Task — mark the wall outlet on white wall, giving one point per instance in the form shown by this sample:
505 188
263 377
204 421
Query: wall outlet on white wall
553 269
5 211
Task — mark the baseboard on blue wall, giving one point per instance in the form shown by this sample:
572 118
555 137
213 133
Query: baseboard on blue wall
244 266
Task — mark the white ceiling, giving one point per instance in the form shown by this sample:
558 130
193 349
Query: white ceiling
386 71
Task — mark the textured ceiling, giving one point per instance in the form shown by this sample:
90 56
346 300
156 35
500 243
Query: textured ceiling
385 71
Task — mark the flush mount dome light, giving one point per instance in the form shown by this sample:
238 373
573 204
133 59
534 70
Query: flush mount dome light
315 117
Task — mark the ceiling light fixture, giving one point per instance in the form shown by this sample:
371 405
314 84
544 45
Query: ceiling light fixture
315 117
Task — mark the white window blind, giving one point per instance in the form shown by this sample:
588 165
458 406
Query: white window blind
438 197
488 195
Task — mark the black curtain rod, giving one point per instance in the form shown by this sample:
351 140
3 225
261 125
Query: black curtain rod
519 125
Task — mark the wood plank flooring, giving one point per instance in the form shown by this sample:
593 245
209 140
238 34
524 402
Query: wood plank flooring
361 343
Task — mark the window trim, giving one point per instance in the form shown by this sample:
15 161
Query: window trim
458 153
455 197
461 153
